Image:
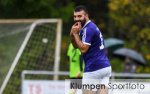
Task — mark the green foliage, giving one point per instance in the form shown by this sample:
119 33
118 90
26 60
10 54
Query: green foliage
117 65
129 20
36 9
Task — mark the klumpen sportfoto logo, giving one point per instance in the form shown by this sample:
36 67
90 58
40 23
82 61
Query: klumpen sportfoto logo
91 85
111 86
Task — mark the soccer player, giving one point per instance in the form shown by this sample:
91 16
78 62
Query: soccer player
76 62
87 37
76 65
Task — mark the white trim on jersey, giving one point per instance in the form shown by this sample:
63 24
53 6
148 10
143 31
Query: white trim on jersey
84 35
85 24
86 43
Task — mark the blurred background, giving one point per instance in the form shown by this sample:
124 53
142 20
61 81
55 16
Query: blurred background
125 25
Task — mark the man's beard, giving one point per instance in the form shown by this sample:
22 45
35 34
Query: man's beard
82 22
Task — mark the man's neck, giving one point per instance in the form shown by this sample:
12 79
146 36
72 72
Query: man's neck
87 21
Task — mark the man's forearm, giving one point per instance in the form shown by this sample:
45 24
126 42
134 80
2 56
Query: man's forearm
72 40
73 43
79 43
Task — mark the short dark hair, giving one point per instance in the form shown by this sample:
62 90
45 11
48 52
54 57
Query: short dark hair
80 8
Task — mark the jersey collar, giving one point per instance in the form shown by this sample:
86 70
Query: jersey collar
86 24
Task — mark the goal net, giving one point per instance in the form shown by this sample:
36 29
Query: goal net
39 49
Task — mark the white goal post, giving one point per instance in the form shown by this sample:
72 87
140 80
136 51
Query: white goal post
35 22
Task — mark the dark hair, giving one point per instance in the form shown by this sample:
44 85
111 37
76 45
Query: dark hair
80 8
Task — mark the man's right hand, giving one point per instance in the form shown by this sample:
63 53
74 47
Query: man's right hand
72 39
76 28
78 74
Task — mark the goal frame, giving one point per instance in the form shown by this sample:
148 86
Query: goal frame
31 29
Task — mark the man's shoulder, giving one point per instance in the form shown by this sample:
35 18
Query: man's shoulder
91 25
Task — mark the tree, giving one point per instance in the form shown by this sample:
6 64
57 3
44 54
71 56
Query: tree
36 9
130 21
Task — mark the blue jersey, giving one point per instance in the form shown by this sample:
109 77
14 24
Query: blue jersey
95 58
